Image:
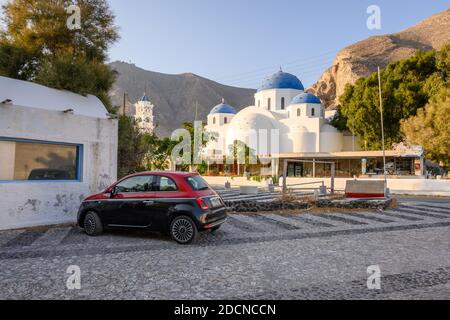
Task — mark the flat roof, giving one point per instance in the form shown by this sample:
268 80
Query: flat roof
351 154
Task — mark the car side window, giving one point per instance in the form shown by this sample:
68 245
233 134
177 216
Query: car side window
136 184
167 185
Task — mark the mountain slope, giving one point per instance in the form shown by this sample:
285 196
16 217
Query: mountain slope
175 96
363 58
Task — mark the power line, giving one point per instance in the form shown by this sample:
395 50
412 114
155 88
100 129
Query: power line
302 61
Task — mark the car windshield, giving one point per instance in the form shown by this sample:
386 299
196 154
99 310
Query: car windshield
197 183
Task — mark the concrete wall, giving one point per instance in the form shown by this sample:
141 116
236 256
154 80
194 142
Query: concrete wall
397 186
25 204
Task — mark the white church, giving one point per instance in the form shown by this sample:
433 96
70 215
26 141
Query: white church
143 112
288 123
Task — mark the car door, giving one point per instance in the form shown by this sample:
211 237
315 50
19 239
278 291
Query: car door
167 196
129 206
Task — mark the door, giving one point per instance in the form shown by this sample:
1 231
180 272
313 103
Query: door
167 196
131 205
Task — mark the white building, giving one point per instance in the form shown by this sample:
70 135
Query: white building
282 108
288 123
56 147
142 112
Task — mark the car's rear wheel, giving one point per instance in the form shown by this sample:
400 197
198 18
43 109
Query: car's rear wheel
183 230
92 224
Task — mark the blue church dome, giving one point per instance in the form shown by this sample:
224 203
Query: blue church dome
223 108
306 98
282 80
145 98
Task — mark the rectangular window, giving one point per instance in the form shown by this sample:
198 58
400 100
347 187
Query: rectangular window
28 160
197 183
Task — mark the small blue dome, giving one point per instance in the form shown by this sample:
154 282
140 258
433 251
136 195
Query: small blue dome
282 80
223 108
306 98
145 98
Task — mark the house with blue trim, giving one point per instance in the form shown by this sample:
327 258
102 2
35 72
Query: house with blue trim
56 147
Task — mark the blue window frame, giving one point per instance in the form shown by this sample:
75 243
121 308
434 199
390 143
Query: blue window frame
26 160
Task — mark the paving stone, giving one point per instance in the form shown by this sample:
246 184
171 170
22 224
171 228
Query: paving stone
264 256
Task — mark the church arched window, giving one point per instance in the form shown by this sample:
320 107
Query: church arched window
313 112
269 102
299 112
259 103
282 103
225 120
214 120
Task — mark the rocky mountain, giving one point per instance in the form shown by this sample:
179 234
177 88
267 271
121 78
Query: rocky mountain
363 58
175 96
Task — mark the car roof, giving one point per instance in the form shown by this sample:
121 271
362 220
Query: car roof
167 173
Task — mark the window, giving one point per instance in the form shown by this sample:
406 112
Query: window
313 112
299 112
166 185
282 103
259 103
197 183
136 184
214 120
28 160
269 101
225 120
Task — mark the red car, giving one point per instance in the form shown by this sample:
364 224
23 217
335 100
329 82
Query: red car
181 204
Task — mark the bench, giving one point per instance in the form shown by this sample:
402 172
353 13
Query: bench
365 189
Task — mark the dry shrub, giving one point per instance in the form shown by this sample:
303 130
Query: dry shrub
394 203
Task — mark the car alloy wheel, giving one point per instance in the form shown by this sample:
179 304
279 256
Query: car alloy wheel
89 224
183 230
92 224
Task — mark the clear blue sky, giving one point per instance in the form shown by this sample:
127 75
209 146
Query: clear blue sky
239 42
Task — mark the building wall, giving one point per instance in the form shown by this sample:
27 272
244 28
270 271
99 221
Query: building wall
275 96
27 203
144 116
397 186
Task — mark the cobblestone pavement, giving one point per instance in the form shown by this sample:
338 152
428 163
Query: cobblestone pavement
264 256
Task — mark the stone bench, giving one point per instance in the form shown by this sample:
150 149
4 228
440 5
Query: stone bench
249 190
365 189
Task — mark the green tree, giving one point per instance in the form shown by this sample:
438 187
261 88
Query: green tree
431 128
407 86
243 153
132 150
158 152
37 45
206 137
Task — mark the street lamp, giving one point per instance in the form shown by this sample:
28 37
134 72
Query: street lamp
382 129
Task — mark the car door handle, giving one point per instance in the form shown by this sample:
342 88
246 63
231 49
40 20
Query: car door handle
148 202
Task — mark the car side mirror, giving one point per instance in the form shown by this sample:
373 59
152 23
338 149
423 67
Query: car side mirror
113 192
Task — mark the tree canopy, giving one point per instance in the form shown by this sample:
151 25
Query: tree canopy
431 128
37 45
407 86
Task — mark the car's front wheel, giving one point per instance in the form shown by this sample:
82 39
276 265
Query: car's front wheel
183 230
92 224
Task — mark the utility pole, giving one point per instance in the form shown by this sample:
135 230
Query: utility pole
124 103
382 128
196 109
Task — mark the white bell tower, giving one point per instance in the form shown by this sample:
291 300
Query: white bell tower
144 114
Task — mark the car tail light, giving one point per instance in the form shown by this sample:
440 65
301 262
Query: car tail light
202 203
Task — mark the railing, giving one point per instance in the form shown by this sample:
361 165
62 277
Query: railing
285 170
